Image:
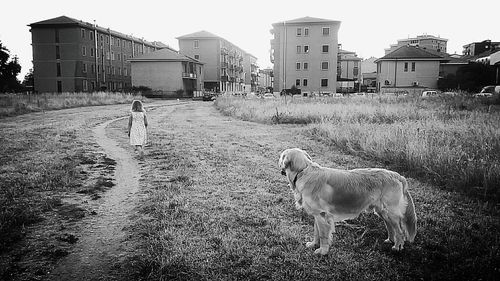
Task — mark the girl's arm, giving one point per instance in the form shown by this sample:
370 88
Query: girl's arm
129 123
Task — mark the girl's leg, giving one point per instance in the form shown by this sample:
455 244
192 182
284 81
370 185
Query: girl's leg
141 151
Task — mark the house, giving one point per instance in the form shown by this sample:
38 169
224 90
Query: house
265 79
168 72
348 71
222 60
408 68
304 53
70 55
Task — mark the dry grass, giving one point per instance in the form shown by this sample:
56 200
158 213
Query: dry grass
454 141
16 104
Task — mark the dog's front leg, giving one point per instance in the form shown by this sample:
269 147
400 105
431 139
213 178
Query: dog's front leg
324 234
315 241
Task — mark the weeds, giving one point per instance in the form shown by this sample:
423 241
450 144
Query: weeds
453 141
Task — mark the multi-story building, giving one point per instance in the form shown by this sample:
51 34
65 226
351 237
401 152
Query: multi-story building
348 70
304 53
251 72
425 41
265 80
70 55
222 61
478 48
168 72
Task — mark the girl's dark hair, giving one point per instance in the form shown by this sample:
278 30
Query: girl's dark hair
137 106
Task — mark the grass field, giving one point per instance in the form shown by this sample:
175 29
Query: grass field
452 141
16 104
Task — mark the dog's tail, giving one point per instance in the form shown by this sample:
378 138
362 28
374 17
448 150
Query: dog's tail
409 221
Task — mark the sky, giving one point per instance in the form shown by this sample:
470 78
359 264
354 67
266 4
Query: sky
367 26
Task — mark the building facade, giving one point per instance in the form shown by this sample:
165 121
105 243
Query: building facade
408 68
478 48
168 72
304 53
251 72
70 55
425 41
265 80
348 71
222 61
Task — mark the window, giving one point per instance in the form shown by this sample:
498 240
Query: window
113 70
299 48
112 55
83 33
112 39
58 54
326 31
120 71
306 49
197 57
325 48
58 69
84 68
406 67
297 82
125 71
107 39
324 65
85 86
59 86
107 55
196 44
324 82
297 66
118 41
306 31
304 82
299 31
306 66
84 50
57 35
92 35
119 57
92 52
413 66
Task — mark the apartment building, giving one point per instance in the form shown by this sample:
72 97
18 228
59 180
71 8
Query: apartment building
265 79
425 41
251 72
70 55
304 52
223 62
478 48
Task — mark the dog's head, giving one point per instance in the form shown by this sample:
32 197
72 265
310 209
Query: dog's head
293 160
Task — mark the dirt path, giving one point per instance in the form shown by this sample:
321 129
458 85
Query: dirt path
104 245
103 242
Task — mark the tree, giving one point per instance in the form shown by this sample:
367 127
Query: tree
9 69
474 76
29 80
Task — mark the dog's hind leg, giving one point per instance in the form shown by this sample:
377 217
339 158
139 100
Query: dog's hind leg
399 239
315 242
390 231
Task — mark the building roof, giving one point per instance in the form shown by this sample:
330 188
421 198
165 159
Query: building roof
199 35
164 55
411 52
307 20
65 20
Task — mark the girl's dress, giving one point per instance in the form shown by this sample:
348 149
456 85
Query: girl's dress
138 129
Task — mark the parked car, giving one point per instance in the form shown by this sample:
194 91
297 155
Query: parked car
268 96
208 97
429 93
488 91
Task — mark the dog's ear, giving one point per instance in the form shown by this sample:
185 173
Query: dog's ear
284 162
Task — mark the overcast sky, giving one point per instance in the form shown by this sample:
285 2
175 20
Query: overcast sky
367 28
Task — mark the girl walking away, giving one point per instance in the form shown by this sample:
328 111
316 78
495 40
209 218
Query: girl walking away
137 124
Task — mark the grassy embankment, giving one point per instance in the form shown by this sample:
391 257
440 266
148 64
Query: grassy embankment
16 104
452 141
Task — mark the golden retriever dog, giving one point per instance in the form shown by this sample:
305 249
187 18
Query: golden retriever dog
333 195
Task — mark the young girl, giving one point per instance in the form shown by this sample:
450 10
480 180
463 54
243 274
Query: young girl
137 124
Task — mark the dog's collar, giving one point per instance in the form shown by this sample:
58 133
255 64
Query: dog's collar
297 177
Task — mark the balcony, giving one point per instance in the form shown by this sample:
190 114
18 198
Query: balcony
224 78
186 75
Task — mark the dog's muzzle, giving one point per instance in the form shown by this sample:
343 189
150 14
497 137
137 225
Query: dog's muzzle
283 172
